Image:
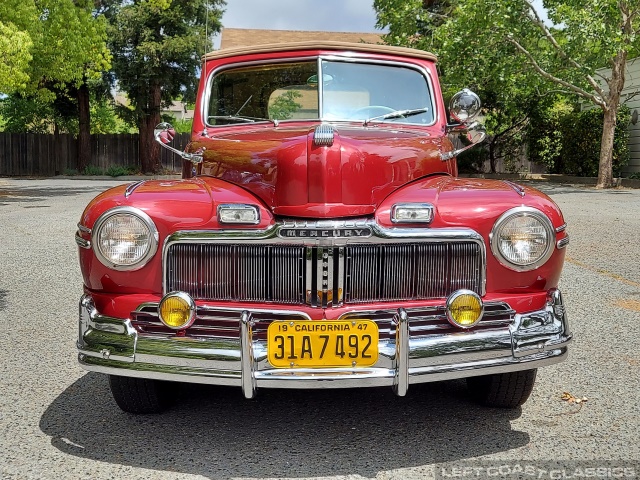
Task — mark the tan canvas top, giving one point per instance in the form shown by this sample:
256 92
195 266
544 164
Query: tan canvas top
243 37
320 45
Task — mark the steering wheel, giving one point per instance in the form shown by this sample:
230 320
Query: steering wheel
371 111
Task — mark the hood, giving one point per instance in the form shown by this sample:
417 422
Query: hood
295 177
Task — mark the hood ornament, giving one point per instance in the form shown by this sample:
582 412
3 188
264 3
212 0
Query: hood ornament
323 135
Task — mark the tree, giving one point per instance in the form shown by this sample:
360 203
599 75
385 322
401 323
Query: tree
486 66
156 46
15 45
67 52
71 52
588 35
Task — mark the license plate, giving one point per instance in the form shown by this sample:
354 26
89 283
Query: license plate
322 343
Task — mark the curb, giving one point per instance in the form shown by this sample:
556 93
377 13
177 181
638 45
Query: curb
122 178
553 178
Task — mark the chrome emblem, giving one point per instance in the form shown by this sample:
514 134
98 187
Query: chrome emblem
323 136
325 232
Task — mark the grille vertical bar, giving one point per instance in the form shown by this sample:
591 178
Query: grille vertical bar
237 272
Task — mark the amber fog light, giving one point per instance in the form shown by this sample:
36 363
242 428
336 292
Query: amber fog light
464 308
177 310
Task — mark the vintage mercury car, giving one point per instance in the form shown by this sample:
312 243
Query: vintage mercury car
321 238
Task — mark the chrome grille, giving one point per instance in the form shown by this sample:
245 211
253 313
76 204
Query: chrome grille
411 271
424 321
215 322
263 273
324 276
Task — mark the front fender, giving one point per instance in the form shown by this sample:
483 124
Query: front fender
172 205
477 204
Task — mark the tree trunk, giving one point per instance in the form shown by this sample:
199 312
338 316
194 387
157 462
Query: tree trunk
616 84
84 127
492 155
149 150
605 168
187 169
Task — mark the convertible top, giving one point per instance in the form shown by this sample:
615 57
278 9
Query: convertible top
320 45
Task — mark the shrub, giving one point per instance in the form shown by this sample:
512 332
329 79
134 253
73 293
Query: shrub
120 170
92 170
568 142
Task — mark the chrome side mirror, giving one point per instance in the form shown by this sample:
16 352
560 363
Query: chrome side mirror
164 134
464 107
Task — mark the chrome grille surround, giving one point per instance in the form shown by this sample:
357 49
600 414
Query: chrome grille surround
220 322
324 271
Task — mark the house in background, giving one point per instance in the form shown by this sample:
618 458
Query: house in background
177 110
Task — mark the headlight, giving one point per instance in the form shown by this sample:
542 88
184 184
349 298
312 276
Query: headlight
124 238
522 239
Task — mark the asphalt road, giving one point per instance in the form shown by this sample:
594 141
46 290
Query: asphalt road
58 421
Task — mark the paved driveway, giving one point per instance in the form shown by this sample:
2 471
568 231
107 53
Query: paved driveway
58 421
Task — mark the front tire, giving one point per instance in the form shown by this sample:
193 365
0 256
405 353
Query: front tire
502 390
140 395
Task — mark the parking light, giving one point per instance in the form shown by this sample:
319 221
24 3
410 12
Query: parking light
412 213
177 310
238 213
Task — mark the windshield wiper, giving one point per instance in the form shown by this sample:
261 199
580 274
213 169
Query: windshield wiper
242 118
397 114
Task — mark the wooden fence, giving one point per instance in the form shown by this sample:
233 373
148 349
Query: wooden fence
26 154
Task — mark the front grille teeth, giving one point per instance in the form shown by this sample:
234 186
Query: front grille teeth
324 276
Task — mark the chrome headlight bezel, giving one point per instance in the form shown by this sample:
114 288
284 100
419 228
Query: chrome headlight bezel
494 238
151 248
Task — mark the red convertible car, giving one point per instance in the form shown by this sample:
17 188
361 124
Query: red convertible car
321 238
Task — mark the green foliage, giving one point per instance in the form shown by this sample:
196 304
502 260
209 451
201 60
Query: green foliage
105 119
34 114
69 45
120 170
180 126
501 47
15 52
17 18
473 160
568 142
92 170
70 172
159 43
156 47
285 105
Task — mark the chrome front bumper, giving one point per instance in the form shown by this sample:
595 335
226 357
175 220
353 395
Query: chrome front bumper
113 346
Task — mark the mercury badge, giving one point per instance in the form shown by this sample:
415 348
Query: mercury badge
293 232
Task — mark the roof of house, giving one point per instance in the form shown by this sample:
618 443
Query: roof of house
242 37
319 45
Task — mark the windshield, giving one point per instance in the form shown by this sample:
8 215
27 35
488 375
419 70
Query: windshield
351 91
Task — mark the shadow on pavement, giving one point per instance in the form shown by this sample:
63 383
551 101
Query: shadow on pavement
216 433
552 189
34 194
3 299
